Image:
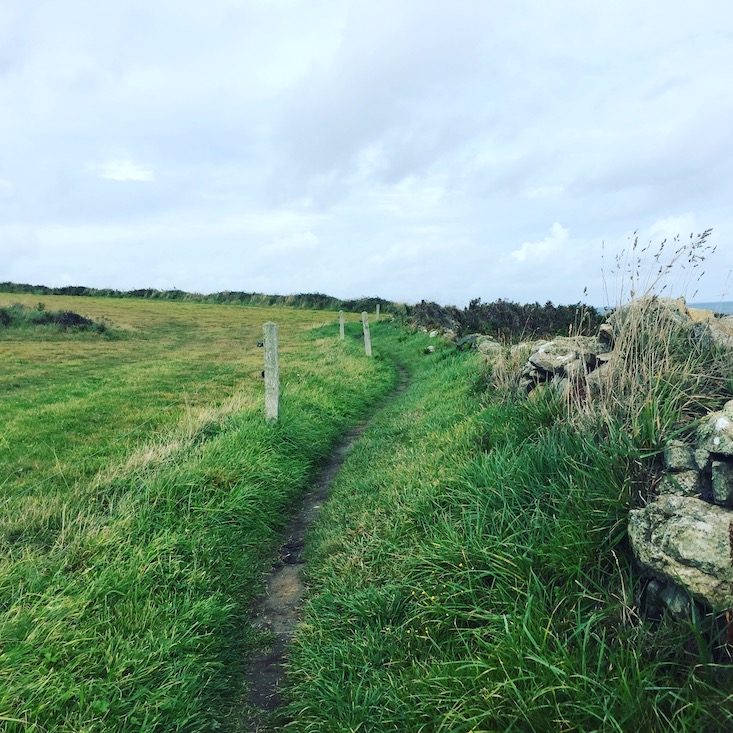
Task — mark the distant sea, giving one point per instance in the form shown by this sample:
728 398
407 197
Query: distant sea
724 306
721 306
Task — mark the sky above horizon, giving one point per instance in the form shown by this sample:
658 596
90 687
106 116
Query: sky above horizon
408 149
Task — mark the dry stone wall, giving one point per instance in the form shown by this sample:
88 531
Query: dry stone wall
683 537
685 534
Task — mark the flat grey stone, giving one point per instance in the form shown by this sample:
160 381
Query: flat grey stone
682 483
723 483
688 541
678 456
715 433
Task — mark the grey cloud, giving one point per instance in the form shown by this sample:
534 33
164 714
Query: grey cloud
436 138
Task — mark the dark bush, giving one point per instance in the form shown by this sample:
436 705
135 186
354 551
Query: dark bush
508 321
17 316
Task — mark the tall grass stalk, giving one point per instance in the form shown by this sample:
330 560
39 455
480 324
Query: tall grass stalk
666 370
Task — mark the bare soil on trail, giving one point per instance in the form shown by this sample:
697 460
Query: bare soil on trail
277 612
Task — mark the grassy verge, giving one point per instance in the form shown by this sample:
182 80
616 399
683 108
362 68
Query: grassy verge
124 593
470 574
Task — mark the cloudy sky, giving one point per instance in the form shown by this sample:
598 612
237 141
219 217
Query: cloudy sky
403 148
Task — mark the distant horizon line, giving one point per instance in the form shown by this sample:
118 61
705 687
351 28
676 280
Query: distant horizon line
9 286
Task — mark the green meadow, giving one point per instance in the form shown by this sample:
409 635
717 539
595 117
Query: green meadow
74 401
141 497
469 573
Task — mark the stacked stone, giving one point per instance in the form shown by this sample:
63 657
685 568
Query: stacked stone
705 469
485 344
566 358
684 537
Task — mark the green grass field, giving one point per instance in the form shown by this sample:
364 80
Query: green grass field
76 402
141 494
468 574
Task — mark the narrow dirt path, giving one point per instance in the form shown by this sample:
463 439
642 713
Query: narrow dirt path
278 611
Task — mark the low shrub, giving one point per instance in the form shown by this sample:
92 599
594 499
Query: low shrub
19 316
508 321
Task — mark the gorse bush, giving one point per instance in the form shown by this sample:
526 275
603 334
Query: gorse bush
20 316
508 321
503 319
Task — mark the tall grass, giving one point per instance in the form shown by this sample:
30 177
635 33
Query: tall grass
471 574
665 372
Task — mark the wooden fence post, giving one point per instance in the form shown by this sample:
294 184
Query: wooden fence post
377 311
367 337
272 372
341 325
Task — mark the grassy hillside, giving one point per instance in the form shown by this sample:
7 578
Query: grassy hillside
470 574
141 494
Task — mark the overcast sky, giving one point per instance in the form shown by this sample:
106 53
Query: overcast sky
404 148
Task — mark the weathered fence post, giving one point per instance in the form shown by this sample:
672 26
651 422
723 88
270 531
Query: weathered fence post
377 311
367 337
272 372
341 325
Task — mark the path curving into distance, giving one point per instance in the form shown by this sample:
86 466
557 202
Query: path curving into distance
278 610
